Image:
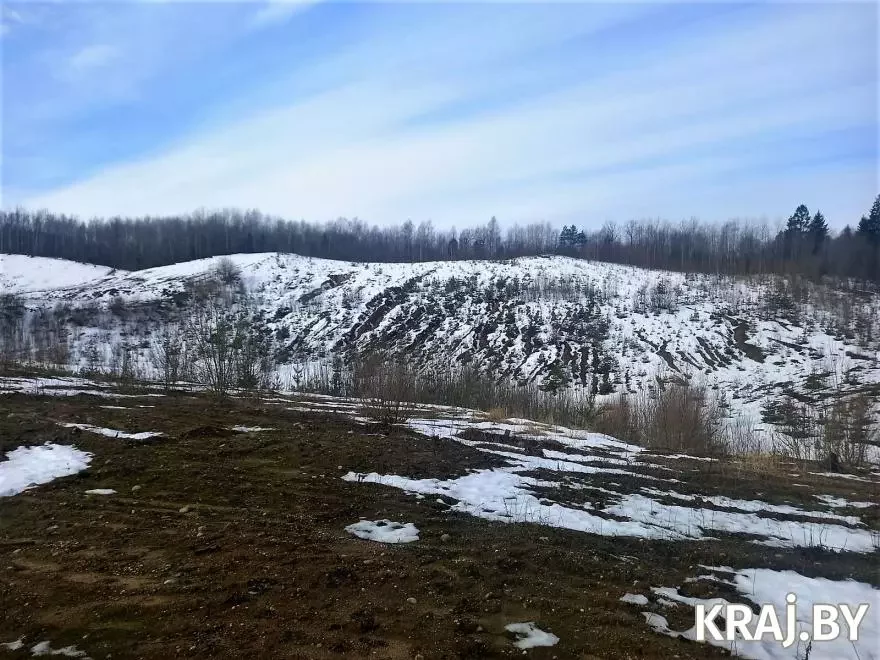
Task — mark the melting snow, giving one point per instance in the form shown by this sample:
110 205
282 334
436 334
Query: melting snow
634 599
251 429
29 466
839 502
384 531
101 491
45 648
113 433
529 635
505 494
67 386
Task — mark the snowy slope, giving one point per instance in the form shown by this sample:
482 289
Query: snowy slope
20 273
599 326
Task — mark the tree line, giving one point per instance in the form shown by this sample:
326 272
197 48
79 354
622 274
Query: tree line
805 245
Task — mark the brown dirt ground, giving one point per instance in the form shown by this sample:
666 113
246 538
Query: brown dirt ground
258 564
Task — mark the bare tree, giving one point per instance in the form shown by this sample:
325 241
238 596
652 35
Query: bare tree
166 355
229 346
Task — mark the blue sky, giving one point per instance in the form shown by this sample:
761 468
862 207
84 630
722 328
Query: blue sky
572 112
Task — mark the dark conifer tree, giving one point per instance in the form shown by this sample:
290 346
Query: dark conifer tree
799 221
818 231
869 226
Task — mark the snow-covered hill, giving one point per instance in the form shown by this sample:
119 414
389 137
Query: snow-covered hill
548 320
33 274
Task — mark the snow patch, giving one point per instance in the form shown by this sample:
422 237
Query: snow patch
384 531
840 503
529 635
29 466
502 494
113 433
634 599
101 491
45 648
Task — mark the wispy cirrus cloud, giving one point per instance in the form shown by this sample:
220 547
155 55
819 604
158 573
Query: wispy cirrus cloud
94 56
271 12
458 112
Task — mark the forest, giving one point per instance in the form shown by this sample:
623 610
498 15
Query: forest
804 245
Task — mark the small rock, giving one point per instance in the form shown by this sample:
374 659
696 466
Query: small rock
411 600
136 488
183 509
445 538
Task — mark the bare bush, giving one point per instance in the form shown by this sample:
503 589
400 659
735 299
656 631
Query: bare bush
50 338
383 388
676 417
453 385
848 430
166 355
122 364
227 272
229 346
13 342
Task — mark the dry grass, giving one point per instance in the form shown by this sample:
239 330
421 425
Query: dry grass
764 464
496 414
457 385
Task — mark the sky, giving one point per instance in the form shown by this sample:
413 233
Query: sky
572 112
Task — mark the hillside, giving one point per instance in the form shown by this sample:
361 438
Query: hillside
575 325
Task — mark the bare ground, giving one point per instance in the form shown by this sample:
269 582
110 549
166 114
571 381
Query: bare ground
231 545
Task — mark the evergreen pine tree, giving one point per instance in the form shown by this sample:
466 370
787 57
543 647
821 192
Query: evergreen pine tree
818 231
795 232
869 227
800 220
567 236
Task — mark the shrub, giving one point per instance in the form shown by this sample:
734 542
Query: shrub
676 417
227 272
229 346
383 388
381 380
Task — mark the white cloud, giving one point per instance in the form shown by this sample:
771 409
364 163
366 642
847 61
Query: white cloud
92 57
670 136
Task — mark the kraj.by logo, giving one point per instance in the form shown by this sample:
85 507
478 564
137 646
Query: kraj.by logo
741 623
